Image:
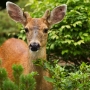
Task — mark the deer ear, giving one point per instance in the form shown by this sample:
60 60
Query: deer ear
15 12
56 15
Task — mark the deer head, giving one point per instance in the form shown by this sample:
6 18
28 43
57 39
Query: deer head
36 28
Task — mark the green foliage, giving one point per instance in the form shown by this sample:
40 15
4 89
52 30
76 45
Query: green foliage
72 36
67 79
28 82
9 85
63 79
3 76
7 26
17 71
20 82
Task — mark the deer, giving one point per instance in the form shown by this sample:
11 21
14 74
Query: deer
17 51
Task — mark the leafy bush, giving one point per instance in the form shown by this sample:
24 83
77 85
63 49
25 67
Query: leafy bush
20 82
63 79
72 36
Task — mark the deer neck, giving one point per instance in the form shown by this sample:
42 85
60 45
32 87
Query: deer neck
41 54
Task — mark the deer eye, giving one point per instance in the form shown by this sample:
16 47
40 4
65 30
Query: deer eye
26 30
45 30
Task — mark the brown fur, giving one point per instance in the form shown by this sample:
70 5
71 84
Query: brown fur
14 51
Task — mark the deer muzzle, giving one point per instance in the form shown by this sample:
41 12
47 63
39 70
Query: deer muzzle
34 46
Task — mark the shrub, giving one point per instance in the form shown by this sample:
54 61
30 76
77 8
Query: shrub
63 79
71 36
20 82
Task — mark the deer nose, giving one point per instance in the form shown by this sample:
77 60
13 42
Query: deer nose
34 46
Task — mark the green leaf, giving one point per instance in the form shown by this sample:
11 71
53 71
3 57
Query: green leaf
85 34
52 46
49 79
80 42
64 51
67 26
9 85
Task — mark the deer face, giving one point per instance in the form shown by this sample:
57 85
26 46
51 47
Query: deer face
36 33
36 28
